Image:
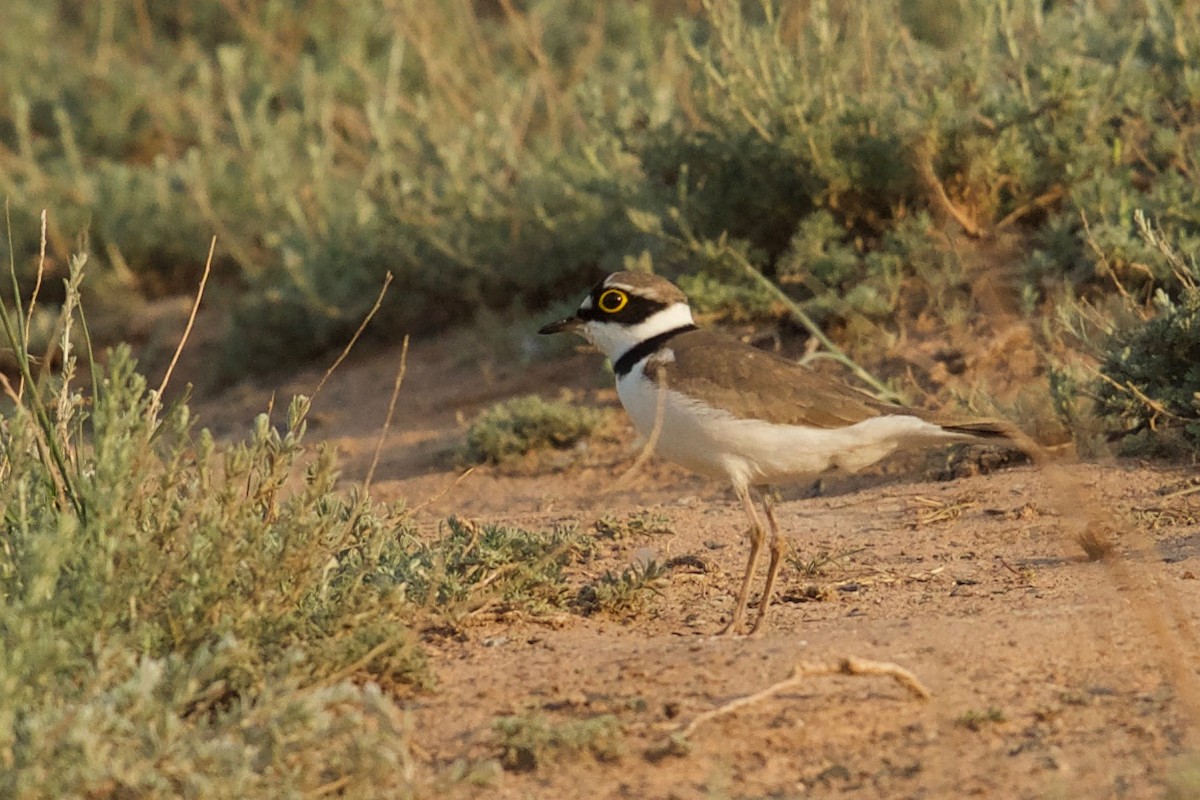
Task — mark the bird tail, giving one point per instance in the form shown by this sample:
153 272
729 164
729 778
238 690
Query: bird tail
985 429
996 431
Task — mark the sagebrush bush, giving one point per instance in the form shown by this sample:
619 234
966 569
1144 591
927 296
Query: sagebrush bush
512 428
498 160
1154 372
184 617
1150 367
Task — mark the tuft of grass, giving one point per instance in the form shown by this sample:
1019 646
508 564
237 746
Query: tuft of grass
512 428
814 565
624 592
528 742
635 524
471 569
975 719
181 616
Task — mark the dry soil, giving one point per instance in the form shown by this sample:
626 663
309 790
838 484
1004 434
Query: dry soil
1050 675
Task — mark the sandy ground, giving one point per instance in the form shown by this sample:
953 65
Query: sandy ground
1051 676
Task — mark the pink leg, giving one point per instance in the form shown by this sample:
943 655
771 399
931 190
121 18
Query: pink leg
778 548
757 535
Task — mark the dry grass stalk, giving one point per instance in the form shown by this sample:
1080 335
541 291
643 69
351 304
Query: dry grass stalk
387 422
387 281
33 298
1156 605
934 511
187 330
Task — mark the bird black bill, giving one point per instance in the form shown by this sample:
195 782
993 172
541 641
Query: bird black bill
565 324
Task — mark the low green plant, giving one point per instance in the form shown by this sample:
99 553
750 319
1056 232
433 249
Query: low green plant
470 568
530 741
624 592
635 524
975 719
174 620
511 428
1152 373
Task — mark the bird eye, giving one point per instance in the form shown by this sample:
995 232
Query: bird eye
612 301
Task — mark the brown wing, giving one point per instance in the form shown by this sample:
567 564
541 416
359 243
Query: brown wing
724 372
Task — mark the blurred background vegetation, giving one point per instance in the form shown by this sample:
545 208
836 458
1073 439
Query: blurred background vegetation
1006 189
888 165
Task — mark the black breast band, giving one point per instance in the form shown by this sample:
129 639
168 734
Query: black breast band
624 365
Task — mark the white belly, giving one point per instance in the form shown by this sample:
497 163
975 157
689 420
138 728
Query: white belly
750 452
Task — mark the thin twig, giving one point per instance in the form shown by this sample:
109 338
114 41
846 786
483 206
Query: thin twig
37 288
387 280
1182 492
40 439
440 493
387 422
1112 273
367 658
187 331
802 672
1128 388
924 165
1055 194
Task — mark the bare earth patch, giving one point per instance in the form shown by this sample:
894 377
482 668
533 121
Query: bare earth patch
1050 675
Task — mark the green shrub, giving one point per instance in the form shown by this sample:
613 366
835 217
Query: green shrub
1151 370
182 617
500 161
512 428
173 620
470 568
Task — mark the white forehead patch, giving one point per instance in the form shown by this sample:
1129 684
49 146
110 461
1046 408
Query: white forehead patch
587 302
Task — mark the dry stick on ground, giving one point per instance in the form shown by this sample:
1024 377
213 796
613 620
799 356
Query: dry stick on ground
1181 492
801 673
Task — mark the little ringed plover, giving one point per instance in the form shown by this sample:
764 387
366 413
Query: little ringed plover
728 410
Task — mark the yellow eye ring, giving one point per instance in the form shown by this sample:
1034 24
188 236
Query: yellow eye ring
612 301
